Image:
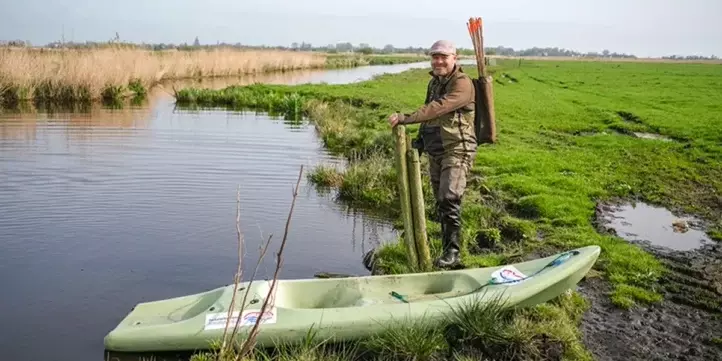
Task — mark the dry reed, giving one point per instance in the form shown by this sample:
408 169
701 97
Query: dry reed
91 74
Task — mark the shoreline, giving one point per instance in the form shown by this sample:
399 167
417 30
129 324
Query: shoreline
511 211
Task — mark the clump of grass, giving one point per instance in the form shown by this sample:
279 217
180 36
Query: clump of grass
49 91
557 322
421 340
492 330
489 237
309 348
291 106
326 176
112 93
350 131
136 86
348 61
626 296
390 259
715 232
370 182
485 327
11 94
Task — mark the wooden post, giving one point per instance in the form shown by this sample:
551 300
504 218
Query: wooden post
404 198
418 209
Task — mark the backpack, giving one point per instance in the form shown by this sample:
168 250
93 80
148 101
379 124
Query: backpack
484 122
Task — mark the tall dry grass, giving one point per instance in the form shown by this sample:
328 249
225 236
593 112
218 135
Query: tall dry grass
91 74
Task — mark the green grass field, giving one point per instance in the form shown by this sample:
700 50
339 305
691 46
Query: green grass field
567 140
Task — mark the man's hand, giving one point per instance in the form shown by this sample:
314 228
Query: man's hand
394 119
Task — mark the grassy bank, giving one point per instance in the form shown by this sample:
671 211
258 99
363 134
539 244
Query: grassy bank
346 61
568 140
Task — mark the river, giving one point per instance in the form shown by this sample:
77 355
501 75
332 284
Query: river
102 209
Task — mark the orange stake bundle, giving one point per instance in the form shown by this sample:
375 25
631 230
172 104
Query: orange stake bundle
477 39
484 119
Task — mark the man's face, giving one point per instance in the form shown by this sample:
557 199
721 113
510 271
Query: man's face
442 65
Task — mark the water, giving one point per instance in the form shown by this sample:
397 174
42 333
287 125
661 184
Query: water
331 76
105 209
656 226
652 136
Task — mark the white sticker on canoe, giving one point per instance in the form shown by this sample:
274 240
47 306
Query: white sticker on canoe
507 275
216 321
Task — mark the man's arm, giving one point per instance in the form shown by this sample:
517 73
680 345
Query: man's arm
460 94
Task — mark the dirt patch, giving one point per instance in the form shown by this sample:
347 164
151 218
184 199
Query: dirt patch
629 117
686 323
665 331
512 79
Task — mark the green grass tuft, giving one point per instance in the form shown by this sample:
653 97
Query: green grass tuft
139 90
624 296
421 340
715 232
326 176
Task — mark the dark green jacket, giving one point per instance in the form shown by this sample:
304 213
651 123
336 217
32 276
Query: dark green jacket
447 118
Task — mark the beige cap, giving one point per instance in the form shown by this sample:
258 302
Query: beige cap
445 47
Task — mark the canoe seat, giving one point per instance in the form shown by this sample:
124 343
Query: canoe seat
352 292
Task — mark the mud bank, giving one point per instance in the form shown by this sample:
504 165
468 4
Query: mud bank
684 326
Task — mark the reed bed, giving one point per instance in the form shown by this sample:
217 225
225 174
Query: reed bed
68 75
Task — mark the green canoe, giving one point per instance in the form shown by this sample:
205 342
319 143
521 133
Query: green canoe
345 308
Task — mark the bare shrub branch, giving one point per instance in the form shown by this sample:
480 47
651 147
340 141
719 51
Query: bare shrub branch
246 346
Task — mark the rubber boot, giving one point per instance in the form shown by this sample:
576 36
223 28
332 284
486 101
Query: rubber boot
450 241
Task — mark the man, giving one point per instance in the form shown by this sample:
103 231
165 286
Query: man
447 135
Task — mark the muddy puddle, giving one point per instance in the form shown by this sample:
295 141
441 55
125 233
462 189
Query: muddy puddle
652 136
655 226
638 135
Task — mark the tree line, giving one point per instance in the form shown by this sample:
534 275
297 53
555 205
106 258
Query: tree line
342 47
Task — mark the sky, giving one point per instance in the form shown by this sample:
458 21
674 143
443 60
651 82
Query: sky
641 27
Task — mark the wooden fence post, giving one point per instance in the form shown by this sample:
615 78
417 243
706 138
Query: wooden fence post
417 208
404 197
